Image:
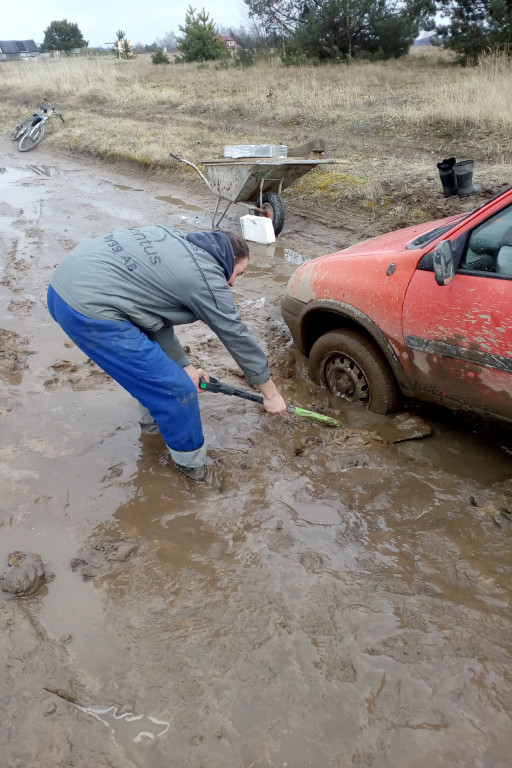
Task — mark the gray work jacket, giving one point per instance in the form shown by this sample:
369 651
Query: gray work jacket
154 278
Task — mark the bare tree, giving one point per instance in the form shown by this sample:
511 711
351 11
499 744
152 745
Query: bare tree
168 41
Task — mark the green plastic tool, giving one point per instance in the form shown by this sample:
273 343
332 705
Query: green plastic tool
214 385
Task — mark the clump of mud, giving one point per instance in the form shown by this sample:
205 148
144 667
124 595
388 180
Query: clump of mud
25 575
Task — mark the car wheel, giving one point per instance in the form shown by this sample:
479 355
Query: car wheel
352 367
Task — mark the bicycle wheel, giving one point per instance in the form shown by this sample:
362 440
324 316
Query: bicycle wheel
21 129
31 138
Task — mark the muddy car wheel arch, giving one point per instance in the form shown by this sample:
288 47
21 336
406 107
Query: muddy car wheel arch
350 366
308 322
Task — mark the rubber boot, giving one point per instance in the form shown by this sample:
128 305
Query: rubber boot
191 463
447 176
464 176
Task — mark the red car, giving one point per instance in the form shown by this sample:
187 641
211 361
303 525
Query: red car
423 312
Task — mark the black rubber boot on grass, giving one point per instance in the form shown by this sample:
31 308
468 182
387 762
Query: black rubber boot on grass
447 176
464 176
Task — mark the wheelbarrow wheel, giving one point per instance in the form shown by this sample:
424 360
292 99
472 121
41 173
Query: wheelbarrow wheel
273 208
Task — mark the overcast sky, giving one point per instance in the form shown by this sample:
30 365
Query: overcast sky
99 20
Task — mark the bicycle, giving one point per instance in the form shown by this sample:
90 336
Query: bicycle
25 125
31 131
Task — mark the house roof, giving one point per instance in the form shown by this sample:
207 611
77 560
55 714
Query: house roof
19 46
230 41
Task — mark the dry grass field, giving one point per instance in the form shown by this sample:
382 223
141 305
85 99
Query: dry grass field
388 122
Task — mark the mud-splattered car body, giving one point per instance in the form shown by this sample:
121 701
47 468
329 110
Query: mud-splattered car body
377 320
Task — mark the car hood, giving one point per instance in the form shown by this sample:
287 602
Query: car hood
399 239
361 269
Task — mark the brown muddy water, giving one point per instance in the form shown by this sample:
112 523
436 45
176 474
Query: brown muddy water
331 598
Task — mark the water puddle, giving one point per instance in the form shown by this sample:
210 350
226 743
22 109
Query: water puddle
14 174
179 203
254 303
20 174
311 513
44 170
126 188
289 255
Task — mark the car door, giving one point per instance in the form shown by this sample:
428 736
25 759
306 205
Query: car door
458 336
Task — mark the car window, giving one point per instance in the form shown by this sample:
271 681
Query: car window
489 247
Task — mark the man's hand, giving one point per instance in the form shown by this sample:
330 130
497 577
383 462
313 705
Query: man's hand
272 400
196 374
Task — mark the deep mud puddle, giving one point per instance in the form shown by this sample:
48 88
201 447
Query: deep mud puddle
330 597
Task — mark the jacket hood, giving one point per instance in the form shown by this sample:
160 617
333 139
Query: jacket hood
218 245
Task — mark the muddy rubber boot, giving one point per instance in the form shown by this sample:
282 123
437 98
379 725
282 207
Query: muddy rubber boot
447 176
191 463
194 473
464 176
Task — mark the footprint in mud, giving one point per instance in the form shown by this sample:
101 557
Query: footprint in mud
314 562
104 555
318 622
362 758
66 243
229 473
279 541
214 551
14 271
13 357
335 668
21 307
79 376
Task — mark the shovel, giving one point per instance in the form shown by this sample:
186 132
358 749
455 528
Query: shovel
214 385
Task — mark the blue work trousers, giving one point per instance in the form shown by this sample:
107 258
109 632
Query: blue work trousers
141 366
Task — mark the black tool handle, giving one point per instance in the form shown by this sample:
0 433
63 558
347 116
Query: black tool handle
214 385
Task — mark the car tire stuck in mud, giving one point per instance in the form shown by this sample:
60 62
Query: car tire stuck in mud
352 368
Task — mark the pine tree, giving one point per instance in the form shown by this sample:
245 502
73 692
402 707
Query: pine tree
200 41
475 26
343 29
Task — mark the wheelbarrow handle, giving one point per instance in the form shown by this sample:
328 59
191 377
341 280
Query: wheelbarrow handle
196 169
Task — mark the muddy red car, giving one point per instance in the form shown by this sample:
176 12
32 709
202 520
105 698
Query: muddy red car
423 312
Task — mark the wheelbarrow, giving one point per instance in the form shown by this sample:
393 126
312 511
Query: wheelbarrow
255 183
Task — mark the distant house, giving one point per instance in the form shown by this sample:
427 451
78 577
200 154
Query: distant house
230 43
19 49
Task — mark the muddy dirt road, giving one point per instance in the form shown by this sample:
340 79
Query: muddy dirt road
330 598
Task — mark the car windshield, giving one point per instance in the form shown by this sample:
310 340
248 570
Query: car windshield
432 234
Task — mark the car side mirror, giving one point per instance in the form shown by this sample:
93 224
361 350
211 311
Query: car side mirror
444 270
